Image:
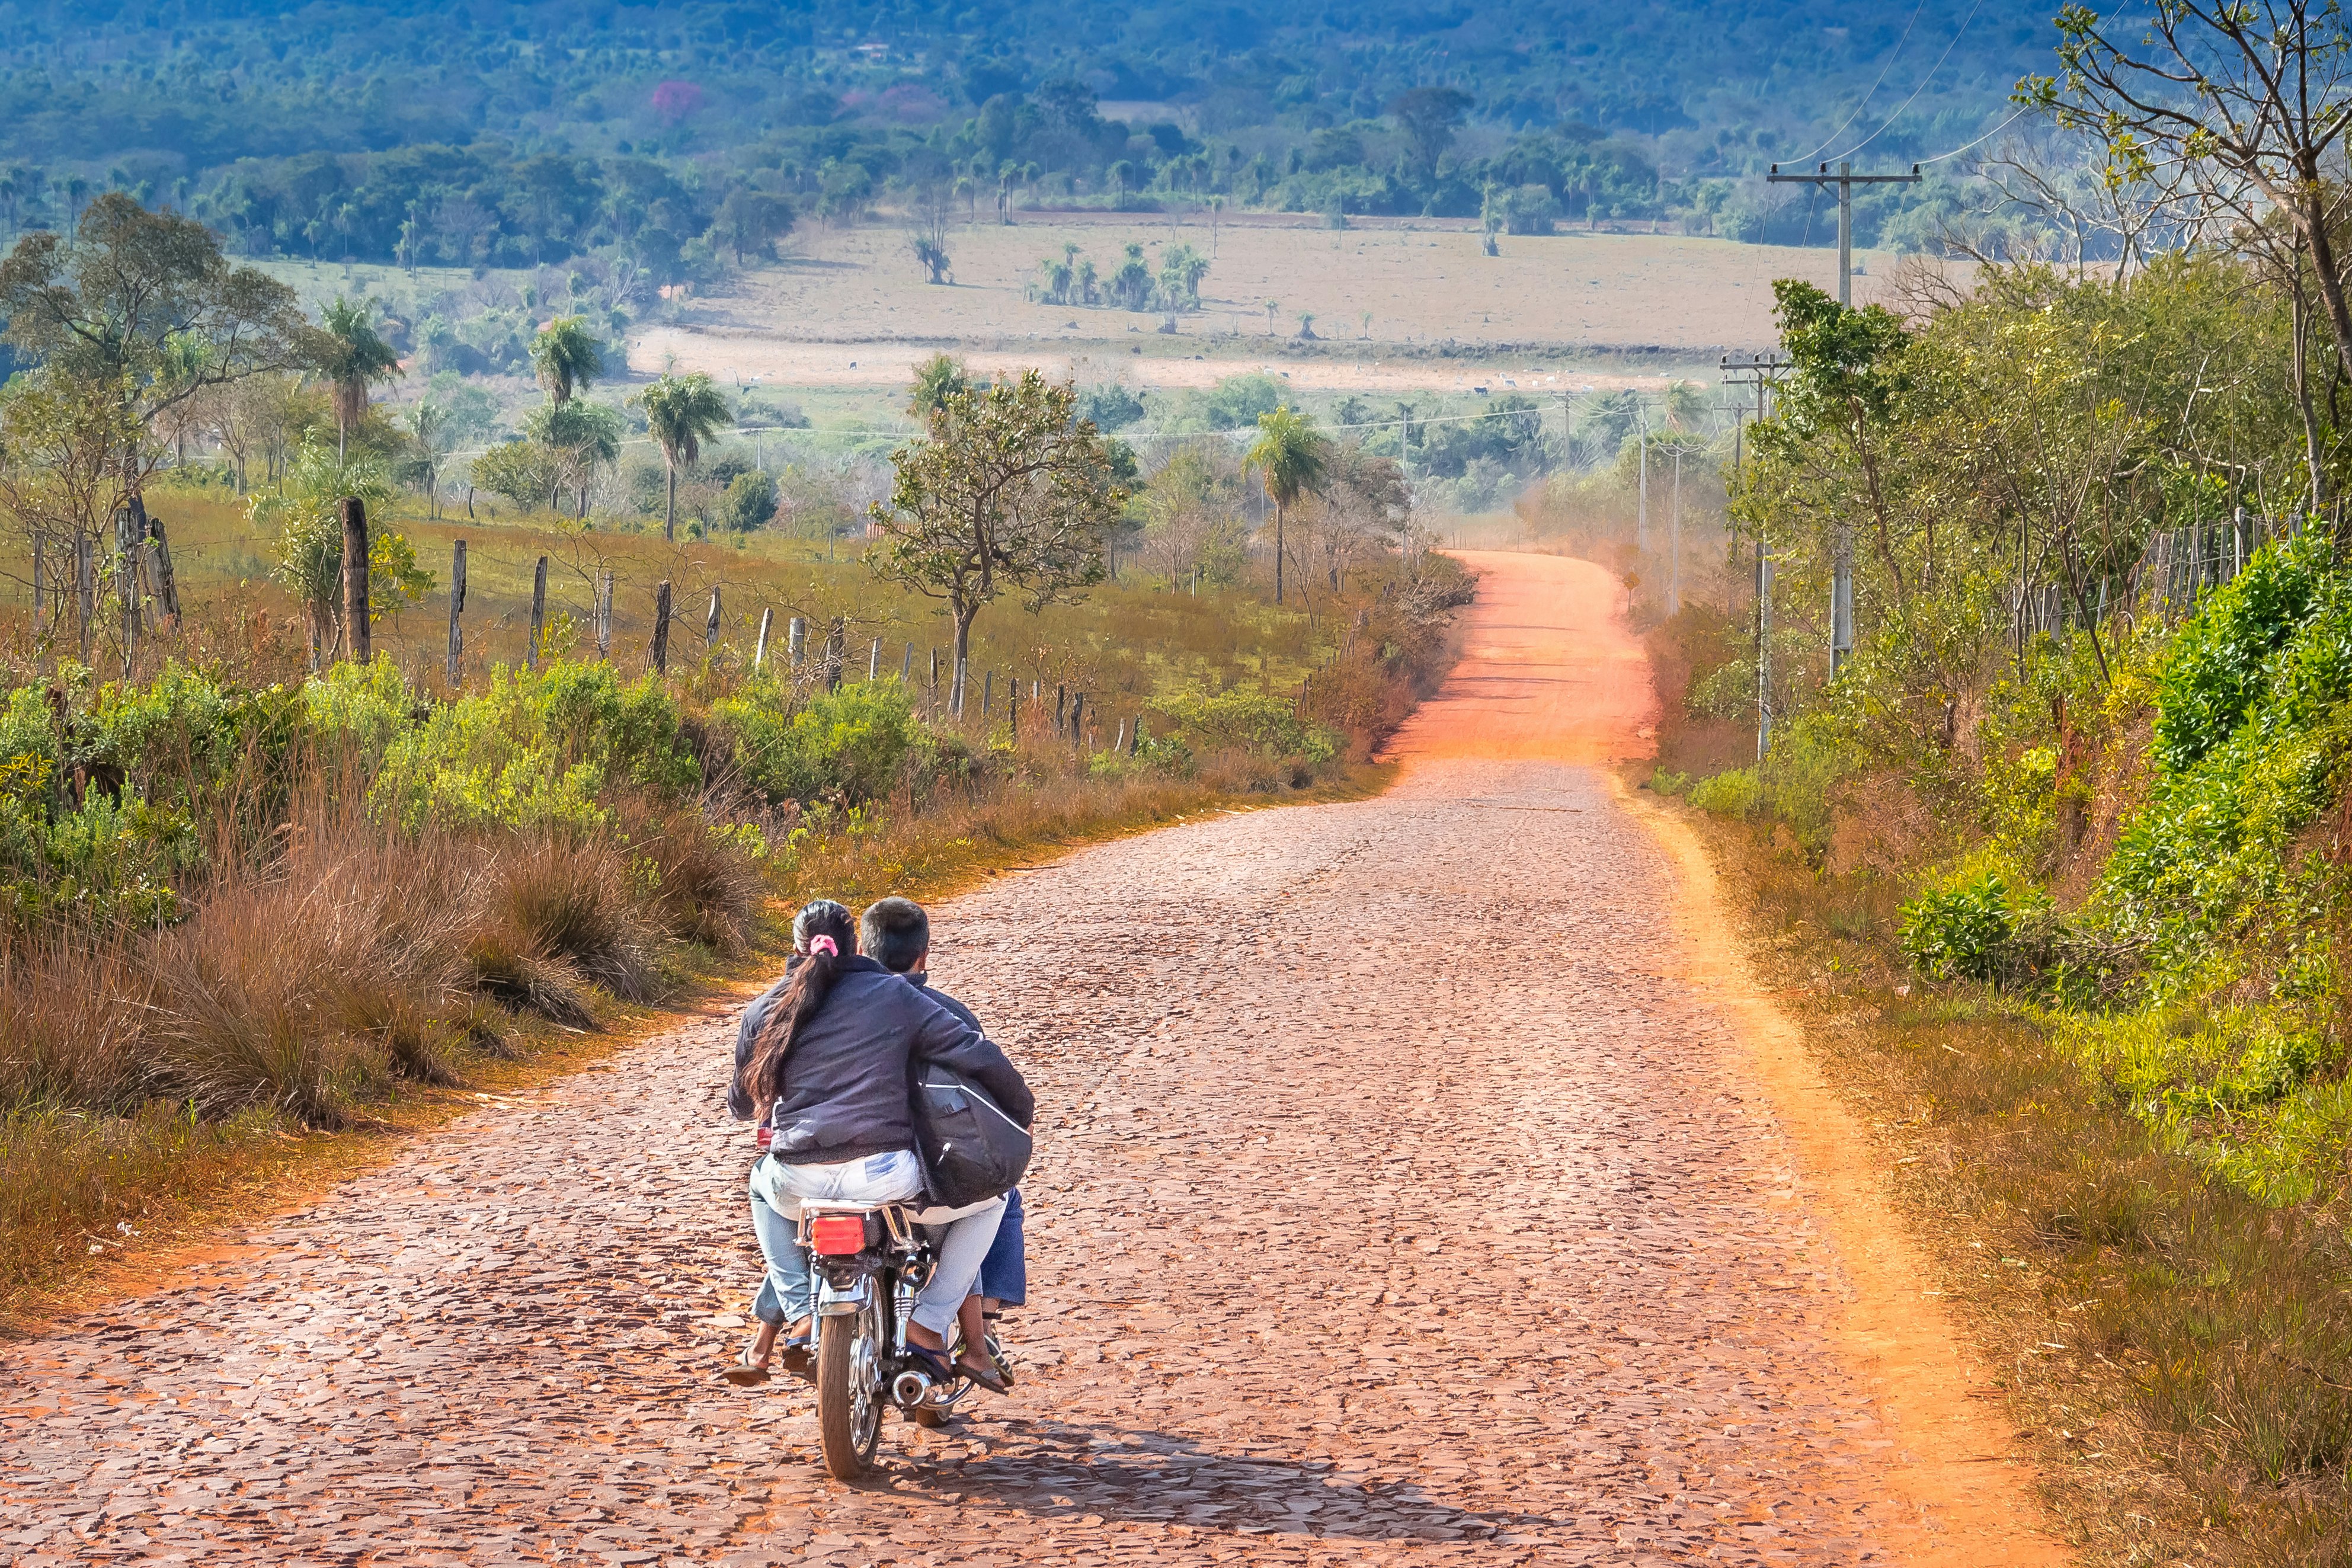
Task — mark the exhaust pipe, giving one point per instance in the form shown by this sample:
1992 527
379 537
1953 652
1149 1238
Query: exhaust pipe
911 1388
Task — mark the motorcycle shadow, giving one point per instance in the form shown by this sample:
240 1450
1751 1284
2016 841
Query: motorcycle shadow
1058 1471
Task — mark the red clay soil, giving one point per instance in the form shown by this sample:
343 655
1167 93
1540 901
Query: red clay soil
1419 1181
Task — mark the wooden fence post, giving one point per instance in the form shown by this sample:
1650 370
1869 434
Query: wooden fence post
760 653
935 677
1135 737
1061 709
796 640
457 670
962 675
604 614
907 667
40 584
538 609
661 627
874 662
355 576
126 583
834 646
988 694
710 622
1077 709
85 592
1012 706
167 583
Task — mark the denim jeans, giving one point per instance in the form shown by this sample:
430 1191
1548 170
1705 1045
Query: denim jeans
1004 1272
788 1294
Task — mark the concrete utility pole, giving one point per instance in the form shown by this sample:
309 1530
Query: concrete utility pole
1845 179
1842 558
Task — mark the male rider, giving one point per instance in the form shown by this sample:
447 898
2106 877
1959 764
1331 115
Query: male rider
895 933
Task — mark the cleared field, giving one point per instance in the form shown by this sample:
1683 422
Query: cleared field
1396 305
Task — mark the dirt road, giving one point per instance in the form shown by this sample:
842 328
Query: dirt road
1405 1196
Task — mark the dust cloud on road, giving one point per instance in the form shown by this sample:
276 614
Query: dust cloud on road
1398 1200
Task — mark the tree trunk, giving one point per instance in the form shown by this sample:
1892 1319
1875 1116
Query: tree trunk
2299 367
2323 264
964 615
669 507
1277 550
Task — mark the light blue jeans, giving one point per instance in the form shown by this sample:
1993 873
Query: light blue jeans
962 1239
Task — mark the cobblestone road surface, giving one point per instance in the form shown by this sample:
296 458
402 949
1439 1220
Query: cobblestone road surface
1394 1204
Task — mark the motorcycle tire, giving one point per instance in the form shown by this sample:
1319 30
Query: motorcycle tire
848 1393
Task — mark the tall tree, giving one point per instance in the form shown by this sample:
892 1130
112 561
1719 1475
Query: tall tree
1007 489
145 312
681 412
352 357
937 379
1429 116
567 357
1291 457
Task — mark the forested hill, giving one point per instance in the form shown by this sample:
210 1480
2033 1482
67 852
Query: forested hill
273 119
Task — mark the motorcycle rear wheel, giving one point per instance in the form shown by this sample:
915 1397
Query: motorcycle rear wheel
848 1393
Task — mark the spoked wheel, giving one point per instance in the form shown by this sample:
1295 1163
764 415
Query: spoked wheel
848 1395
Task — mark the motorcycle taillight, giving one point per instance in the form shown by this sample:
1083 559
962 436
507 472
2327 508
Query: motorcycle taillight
837 1234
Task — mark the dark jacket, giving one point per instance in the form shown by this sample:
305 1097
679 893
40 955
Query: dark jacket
923 983
846 1085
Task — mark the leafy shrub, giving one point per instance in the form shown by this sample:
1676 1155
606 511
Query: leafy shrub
748 502
2214 672
1732 794
853 745
1243 720
1966 926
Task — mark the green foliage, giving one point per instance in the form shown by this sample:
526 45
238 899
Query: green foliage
852 746
307 519
1964 925
2216 670
748 502
1242 720
525 472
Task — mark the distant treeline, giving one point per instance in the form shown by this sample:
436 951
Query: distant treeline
518 134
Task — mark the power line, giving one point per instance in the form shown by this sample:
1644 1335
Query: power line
1921 87
1981 139
1865 98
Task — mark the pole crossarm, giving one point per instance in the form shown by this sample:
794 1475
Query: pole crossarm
1829 177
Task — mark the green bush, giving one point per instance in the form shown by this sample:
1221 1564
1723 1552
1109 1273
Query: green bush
1965 927
853 745
1733 793
2215 671
1243 719
748 502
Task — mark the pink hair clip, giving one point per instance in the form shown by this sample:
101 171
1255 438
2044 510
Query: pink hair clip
825 945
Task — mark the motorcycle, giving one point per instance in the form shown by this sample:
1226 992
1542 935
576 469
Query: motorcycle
870 1261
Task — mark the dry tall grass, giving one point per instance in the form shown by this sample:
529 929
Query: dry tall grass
2174 1352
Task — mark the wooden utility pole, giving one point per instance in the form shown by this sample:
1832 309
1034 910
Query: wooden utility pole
537 611
661 627
355 576
457 670
1845 179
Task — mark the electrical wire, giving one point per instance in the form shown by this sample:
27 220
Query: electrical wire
1865 98
1981 139
1921 87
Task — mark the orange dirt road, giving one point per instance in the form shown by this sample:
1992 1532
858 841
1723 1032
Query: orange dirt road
1551 672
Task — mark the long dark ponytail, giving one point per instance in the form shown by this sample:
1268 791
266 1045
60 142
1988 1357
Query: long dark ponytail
825 933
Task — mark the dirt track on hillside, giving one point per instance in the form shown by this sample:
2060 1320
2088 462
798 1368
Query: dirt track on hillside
1411 1189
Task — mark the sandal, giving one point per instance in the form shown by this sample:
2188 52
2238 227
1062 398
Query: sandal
990 1376
797 1355
943 1370
745 1373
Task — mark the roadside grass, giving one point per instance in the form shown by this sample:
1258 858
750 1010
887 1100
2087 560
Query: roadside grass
2177 1355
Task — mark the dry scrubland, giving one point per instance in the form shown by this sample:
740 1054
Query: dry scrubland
844 309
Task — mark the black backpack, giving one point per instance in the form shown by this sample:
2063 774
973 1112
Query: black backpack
971 1150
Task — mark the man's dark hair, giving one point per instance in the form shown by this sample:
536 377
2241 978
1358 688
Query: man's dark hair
895 933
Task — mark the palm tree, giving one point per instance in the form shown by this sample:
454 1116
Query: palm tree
351 357
682 412
1293 457
435 436
567 358
937 379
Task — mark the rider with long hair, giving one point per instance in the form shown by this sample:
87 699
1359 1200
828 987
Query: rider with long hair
823 1061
